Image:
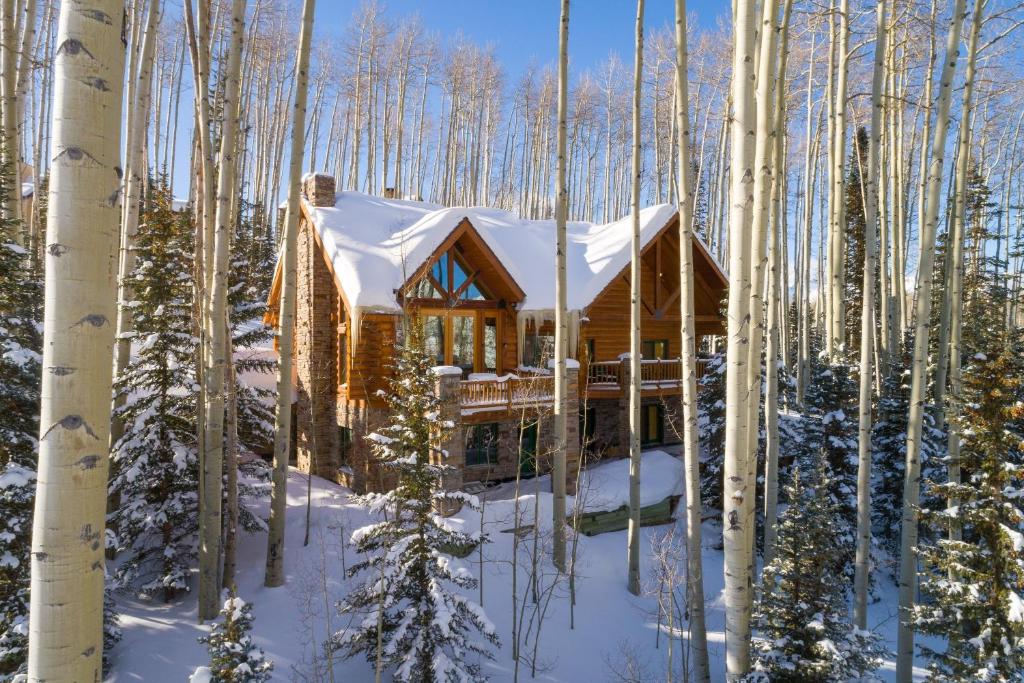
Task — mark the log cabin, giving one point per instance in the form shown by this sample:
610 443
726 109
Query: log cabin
482 282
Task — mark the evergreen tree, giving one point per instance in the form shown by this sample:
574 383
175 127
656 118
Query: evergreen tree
829 439
889 454
853 264
413 584
234 658
155 466
20 344
974 585
711 428
801 612
984 291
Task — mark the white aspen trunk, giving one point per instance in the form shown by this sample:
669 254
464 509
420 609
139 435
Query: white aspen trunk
738 578
922 315
810 172
66 615
837 194
274 575
954 282
633 535
776 309
764 140
867 328
11 144
688 355
561 407
136 171
213 465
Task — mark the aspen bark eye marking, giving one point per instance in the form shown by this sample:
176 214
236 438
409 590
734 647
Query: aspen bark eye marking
98 15
71 422
96 82
62 370
89 651
57 249
94 319
88 462
90 536
75 154
73 46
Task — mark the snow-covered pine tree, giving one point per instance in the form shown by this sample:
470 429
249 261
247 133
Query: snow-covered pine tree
413 587
19 409
830 435
801 613
155 467
711 428
889 452
234 658
974 587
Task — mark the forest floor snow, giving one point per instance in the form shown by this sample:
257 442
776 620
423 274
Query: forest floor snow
613 629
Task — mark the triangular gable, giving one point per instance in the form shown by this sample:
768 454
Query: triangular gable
480 266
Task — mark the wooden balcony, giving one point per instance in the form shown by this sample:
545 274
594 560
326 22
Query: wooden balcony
509 393
657 377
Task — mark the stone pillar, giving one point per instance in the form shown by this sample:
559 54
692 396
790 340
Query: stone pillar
450 451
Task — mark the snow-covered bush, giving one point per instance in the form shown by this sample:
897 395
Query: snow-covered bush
412 597
234 658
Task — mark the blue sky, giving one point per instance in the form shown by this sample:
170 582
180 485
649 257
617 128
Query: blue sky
526 31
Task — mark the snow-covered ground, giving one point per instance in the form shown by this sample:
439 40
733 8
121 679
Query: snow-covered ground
160 640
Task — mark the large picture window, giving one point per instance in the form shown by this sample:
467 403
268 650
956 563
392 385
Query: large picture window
482 444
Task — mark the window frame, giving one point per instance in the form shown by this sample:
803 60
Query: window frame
490 452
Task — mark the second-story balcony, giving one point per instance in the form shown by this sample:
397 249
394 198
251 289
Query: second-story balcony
509 393
611 378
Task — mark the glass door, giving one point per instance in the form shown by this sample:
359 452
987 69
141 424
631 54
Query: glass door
463 341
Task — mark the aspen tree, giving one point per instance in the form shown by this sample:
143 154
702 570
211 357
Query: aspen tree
922 315
737 488
837 190
66 618
691 443
764 141
635 366
10 144
282 424
558 467
954 282
867 328
135 154
216 331
776 308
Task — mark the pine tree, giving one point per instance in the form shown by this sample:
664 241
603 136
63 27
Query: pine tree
801 611
412 584
830 435
234 658
975 586
889 453
155 465
853 264
711 428
20 344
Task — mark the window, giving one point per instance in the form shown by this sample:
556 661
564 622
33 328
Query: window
344 443
590 350
342 359
528 449
538 349
450 280
482 444
490 345
651 417
433 337
588 425
463 342
654 349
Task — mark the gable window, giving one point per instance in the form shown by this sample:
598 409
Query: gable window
482 444
451 280
654 349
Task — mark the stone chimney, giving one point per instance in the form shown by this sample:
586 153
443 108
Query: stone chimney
389 193
318 189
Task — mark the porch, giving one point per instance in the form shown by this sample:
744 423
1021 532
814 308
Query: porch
608 379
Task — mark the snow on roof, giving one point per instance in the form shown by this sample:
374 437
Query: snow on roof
376 244
27 190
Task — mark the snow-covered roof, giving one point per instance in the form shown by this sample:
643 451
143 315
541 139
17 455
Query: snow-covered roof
376 244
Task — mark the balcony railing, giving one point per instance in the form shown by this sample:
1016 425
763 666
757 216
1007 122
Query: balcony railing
654 374
508 393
